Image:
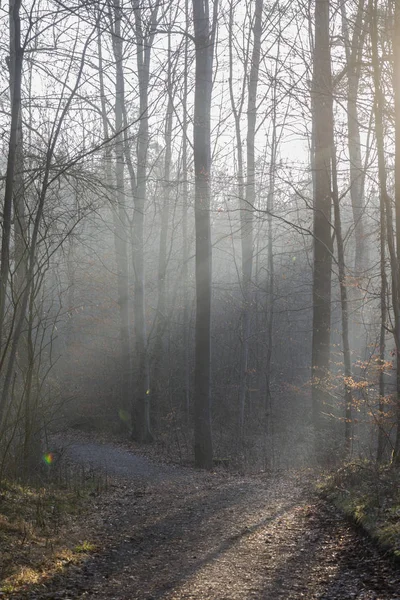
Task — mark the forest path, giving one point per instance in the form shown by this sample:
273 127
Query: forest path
170 533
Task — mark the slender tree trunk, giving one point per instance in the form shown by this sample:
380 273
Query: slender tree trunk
16 58
202 164
19 279
185 249
119 213
354 48
141 412
396 87
162 254
354 45
269 304
237 115
20 224
382 436
246 213
344 308
385 199
119 234
322 128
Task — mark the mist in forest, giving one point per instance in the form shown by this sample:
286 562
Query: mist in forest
200 215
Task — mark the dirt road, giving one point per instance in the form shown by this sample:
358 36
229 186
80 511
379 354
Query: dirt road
173 534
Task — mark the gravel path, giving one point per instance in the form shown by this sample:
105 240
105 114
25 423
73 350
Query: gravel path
166 533
118 461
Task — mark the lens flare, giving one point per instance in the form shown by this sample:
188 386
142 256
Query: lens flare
48 458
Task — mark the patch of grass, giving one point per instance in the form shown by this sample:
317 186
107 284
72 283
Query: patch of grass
38 532
370 495
85 547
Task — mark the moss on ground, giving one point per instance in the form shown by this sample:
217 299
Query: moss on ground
369 494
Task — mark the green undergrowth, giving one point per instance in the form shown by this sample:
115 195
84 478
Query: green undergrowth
369 494
40 527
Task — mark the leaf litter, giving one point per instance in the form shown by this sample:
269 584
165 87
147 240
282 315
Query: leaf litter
176 533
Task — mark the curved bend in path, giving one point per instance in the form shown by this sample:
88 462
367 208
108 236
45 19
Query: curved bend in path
173 534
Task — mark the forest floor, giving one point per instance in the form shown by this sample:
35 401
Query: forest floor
173 533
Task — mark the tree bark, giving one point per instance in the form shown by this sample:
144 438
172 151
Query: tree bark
16 58
348 395
396 86
354 48
386 201
246 212
185 247
322 127
382 436
202 163
119 214
237 115
141 410
161 316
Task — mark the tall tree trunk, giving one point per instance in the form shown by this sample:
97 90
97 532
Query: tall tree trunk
382 436
269 302
161 316
237 115
20 225
322 127
354 48
202 164
141 412
19 275
396 87
185 248
16 58
344 307
246 213
119 212
120 241
385 199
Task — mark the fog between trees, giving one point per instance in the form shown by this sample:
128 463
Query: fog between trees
201 227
